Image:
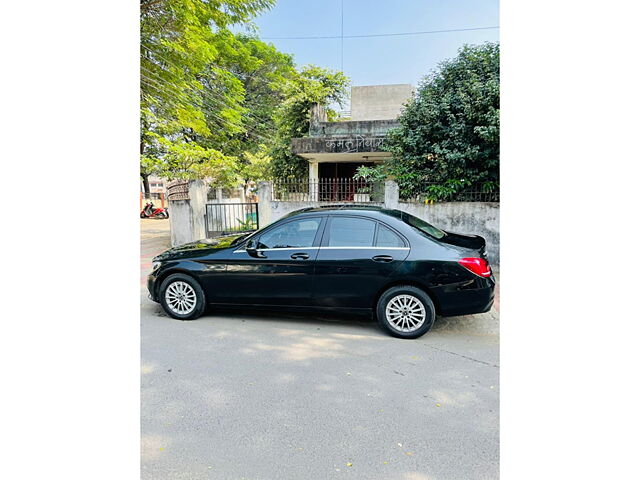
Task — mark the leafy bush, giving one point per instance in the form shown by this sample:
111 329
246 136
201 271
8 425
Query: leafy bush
449 135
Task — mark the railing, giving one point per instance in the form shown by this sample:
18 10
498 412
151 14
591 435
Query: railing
221 218
327 190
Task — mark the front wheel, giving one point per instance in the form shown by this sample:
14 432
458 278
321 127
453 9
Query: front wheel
405 312
182 297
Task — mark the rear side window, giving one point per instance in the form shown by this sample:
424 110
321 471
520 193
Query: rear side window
351 232
388 238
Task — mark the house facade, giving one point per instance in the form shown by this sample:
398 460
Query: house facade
336 149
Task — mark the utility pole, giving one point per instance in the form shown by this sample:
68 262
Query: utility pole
342 35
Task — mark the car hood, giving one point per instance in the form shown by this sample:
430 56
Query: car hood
200 248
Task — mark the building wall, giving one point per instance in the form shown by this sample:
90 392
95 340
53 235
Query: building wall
352 128
379 102
156 185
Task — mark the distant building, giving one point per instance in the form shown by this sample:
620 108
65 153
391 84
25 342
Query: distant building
157 186
336 149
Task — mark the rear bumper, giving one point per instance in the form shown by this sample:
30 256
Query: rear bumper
467 299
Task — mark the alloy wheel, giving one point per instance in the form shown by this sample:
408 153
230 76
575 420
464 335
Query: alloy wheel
405 313
180 297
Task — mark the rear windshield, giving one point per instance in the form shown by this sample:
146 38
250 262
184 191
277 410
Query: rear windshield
422 226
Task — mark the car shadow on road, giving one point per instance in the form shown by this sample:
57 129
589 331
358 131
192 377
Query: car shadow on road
364 321
480 324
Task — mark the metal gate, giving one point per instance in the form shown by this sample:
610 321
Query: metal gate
223 218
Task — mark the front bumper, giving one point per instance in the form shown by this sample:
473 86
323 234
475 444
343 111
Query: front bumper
151 286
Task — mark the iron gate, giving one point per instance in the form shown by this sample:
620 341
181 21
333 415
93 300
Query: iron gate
223 218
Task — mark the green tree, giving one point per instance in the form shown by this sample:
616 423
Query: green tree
265 74
185 95
449 134
310 86
254 166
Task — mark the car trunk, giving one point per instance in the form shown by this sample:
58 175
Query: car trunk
471 242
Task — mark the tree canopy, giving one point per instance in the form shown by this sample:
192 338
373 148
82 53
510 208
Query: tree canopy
220 105
312 85
449 134
190 101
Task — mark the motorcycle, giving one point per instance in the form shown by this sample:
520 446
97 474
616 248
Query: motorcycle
151 211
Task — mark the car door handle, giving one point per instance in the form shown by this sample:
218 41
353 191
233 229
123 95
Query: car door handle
300 256
382 258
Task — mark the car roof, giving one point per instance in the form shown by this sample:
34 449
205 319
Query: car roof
346 209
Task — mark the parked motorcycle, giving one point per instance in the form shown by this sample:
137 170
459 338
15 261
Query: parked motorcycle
151 211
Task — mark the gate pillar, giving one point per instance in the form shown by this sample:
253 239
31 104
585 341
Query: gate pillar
264 203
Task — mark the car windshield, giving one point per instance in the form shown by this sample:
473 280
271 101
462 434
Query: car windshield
422 226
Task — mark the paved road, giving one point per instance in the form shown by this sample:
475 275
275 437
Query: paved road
272 396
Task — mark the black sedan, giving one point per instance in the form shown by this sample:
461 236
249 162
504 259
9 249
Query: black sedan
348 258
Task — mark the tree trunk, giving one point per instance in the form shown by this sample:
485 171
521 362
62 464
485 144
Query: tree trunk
145 182
145 176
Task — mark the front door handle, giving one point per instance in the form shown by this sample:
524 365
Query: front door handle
382 258
299 256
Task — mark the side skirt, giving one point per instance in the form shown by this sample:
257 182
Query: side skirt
291 308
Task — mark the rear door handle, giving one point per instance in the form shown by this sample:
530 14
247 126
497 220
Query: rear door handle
382 258
300 256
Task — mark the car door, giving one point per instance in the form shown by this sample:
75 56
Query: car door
356 257
281 274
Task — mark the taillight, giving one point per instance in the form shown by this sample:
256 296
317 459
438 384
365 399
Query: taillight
479 266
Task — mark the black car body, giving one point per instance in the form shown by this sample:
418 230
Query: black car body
335 258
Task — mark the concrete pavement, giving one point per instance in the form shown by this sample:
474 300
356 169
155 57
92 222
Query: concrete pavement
273 396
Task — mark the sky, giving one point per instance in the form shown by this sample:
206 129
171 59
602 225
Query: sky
378 60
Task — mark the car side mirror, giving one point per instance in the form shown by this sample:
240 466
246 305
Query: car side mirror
252 249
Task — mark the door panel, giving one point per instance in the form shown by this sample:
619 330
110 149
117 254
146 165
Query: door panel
351 267
281 276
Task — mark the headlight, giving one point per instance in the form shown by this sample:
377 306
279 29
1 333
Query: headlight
155 266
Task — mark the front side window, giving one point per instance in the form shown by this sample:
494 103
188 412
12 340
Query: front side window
294 234
351 232
388 238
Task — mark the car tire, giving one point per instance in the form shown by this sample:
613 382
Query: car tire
405 311
182 297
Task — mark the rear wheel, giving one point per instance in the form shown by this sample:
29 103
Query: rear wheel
405 312
182 297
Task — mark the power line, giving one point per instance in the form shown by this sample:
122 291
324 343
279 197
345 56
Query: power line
381 34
